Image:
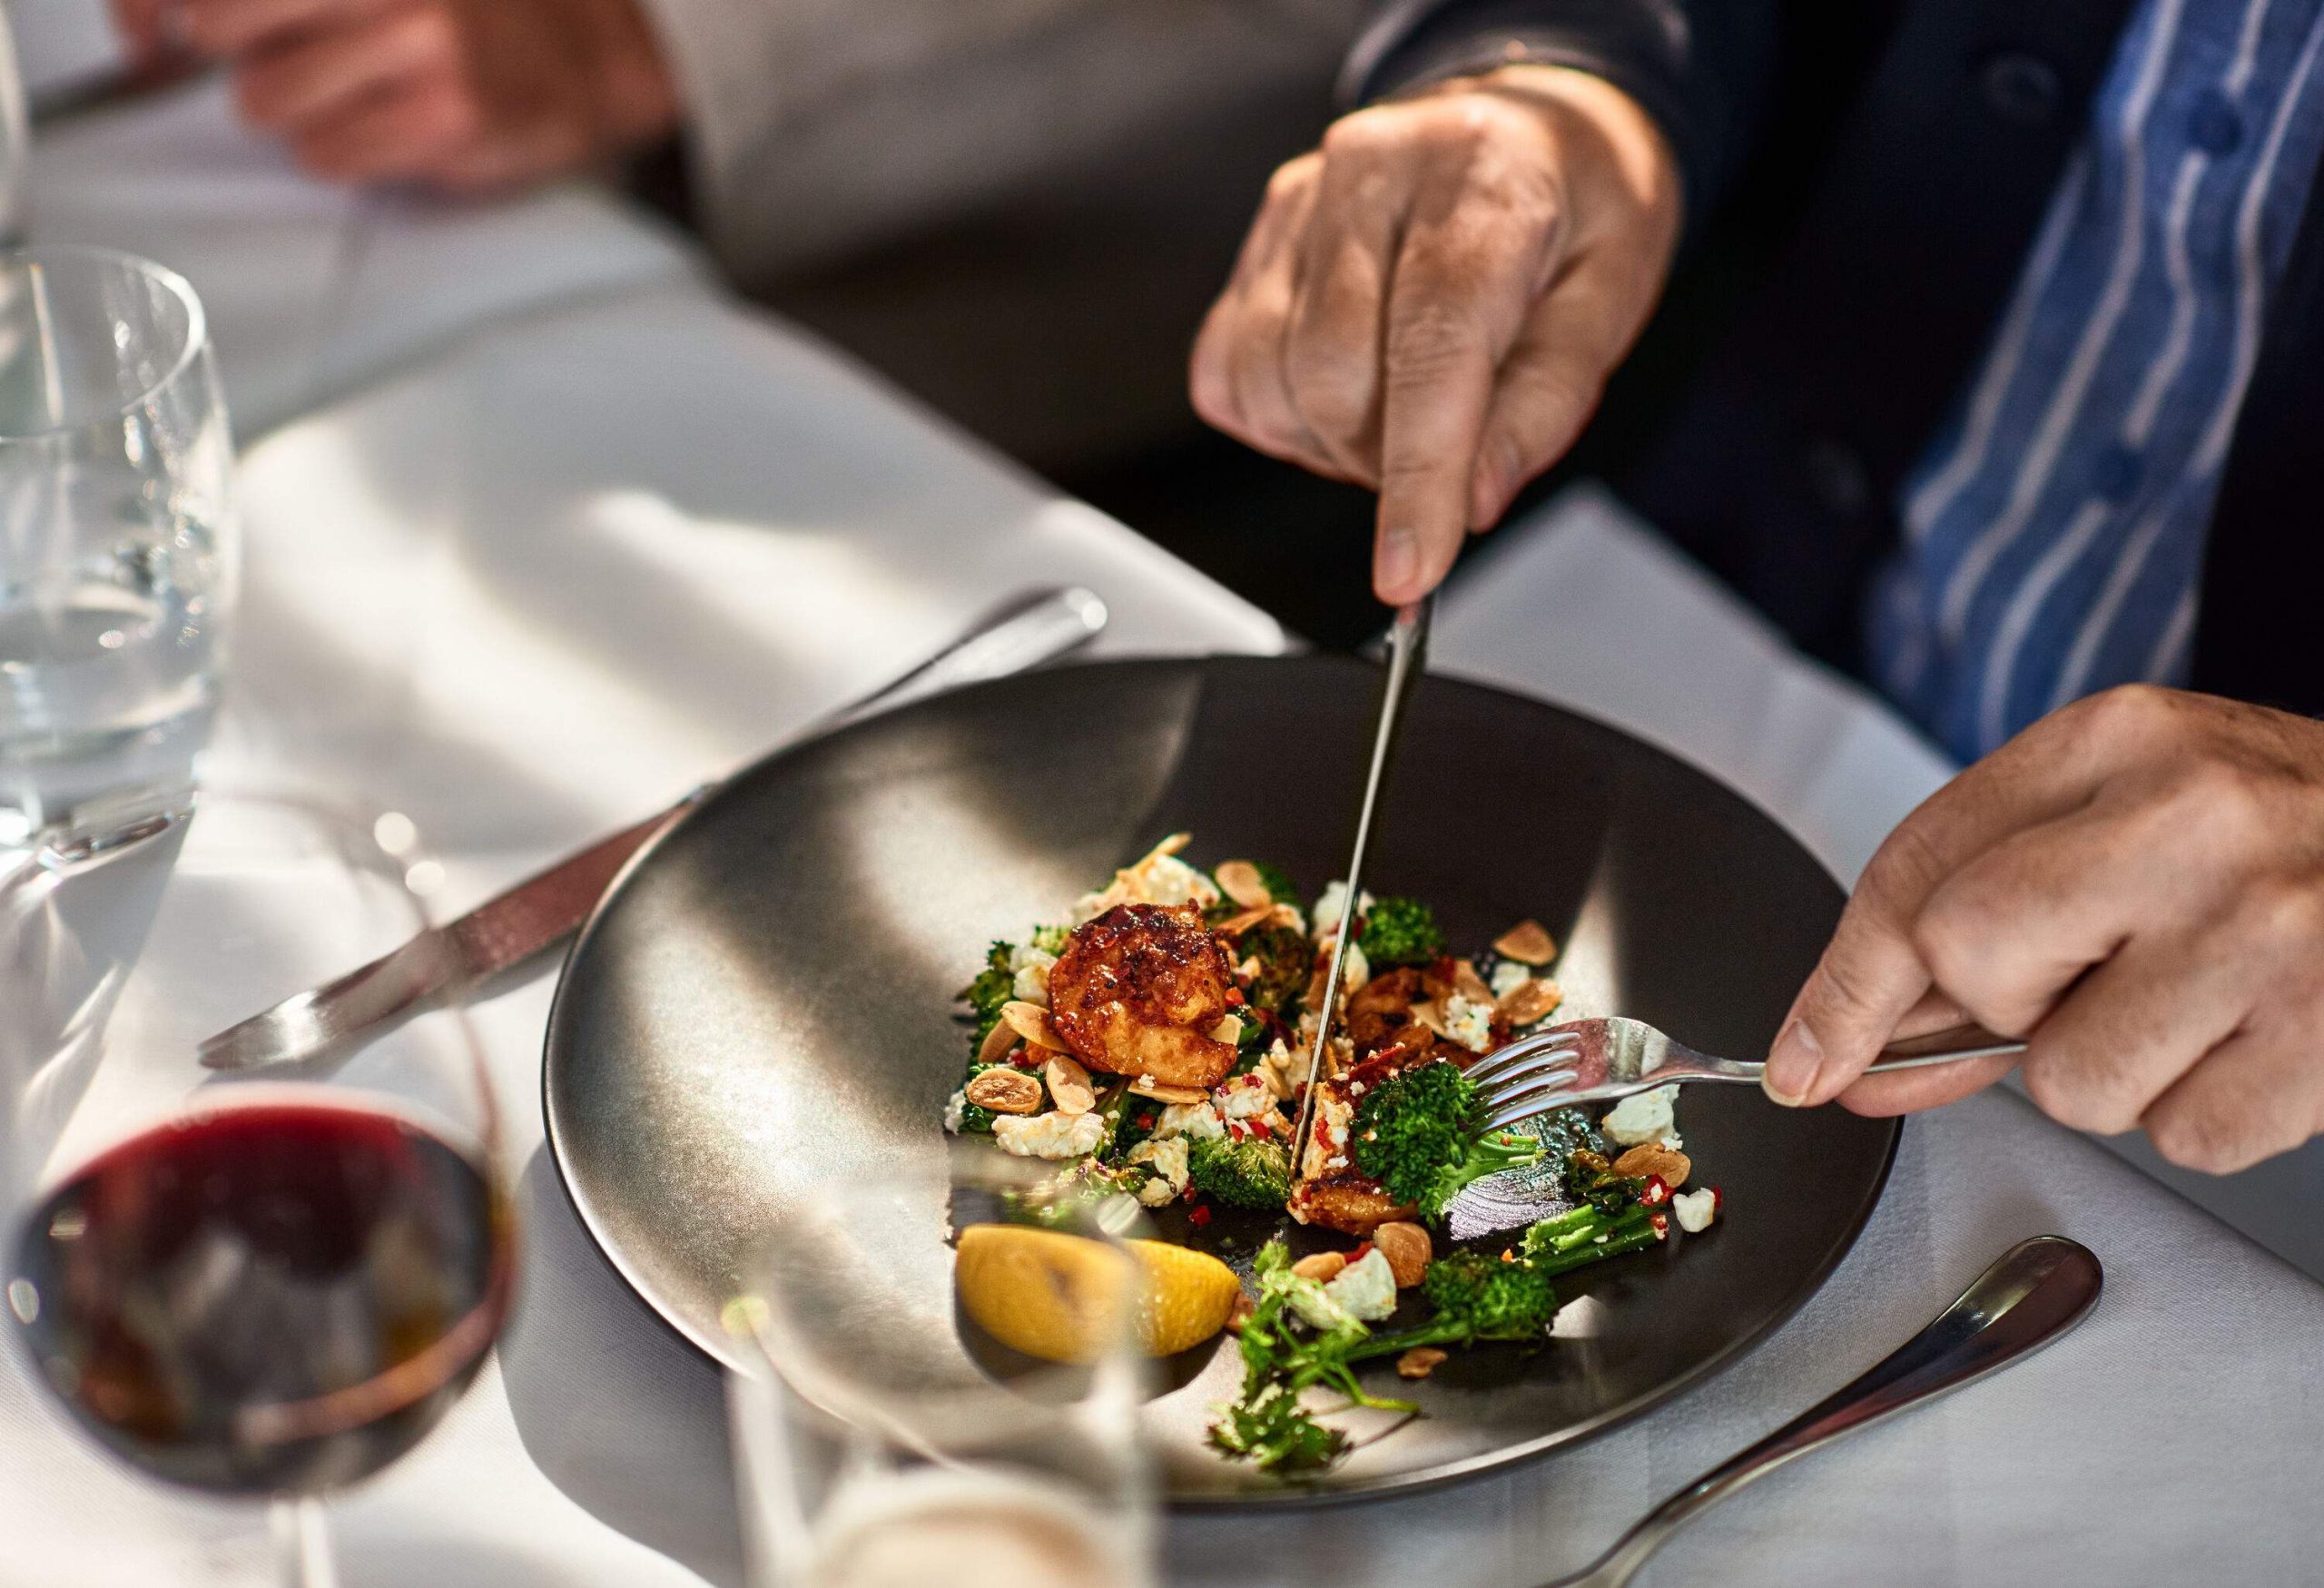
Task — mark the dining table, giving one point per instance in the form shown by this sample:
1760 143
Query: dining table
544 527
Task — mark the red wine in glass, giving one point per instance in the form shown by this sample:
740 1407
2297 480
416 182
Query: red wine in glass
271 1298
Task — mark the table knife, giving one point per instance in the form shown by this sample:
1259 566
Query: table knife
1407 658
543 911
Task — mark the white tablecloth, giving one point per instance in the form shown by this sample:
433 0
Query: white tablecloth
599 534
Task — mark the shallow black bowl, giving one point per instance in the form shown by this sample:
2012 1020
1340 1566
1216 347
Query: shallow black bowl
763 1004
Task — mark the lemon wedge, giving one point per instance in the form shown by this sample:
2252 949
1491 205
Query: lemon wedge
1052 1295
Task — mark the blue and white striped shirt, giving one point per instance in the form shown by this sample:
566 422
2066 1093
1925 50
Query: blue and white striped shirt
2054 534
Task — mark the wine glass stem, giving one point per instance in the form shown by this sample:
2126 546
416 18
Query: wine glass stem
302 1542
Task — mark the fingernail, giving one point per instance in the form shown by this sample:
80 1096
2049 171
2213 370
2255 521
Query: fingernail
1790 1074
1399 562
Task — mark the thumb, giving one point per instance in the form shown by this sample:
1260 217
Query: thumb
1868 981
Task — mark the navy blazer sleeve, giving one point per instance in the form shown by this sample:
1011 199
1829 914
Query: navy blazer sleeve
1701 68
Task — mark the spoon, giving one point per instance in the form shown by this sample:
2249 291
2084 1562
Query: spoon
2034 1292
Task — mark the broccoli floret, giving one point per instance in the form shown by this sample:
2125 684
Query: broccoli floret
1478 1298
1276 1434
1286 960
1400 931
995 985
1253 1173
1416 1134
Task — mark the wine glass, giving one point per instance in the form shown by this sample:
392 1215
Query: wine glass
885 1437
267 1285
118 545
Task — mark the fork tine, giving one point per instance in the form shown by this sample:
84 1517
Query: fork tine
1531 1106
1498 1093
1496 1068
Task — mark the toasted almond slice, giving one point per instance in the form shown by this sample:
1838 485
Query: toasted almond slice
1249 969
1240 880
1240 1313
1419 1362
1069 1086
1654 1159
1242 921
1468 984
1004 1091
1530 1000
1167 1094
1429 1015
1167 847
1528 942
997 1043
1408 1249
1287 915
1032 1021
1321 1266
1229 1030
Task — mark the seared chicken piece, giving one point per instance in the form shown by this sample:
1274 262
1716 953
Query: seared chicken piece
1138 992
1352 1203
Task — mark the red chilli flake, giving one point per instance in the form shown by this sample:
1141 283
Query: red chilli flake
1145 1121
1656 1193
1234 996
1661 1222
1198 1216
1362 1250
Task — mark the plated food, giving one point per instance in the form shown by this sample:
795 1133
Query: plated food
1156 1045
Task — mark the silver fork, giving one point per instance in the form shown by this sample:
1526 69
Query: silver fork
1596 1061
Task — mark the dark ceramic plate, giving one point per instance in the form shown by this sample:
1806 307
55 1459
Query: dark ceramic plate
763 1003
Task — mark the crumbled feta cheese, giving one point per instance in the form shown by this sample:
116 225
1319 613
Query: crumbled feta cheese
1695 1209
1198 1121
1355 973
1469 1024
1643 1117
1329 1133
1051 1135
1318 1307
952 1108
1167 880
1245 1097
1328 905
1510 975
1168 1157
1031 966
1366 1289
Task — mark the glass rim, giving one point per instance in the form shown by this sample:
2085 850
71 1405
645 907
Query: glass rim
197 329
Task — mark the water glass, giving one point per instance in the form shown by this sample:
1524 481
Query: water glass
883 1439
117 543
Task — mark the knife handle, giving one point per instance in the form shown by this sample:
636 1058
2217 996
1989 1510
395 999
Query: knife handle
543 909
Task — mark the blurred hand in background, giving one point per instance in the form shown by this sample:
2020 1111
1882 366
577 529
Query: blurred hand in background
1430 304
466 96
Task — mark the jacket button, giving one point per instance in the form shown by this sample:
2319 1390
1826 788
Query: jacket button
1836 477
2021 89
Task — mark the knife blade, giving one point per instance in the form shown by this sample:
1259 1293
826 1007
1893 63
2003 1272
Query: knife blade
1407 659
541 912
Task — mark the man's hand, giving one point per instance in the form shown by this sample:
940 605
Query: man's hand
461 94
2135 884
1430 304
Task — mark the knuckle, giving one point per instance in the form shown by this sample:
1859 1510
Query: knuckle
2130 716
1430 340
2073 1095
2204 1135
2285 921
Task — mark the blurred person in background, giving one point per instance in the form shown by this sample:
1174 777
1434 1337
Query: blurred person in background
1994 376
1018 208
